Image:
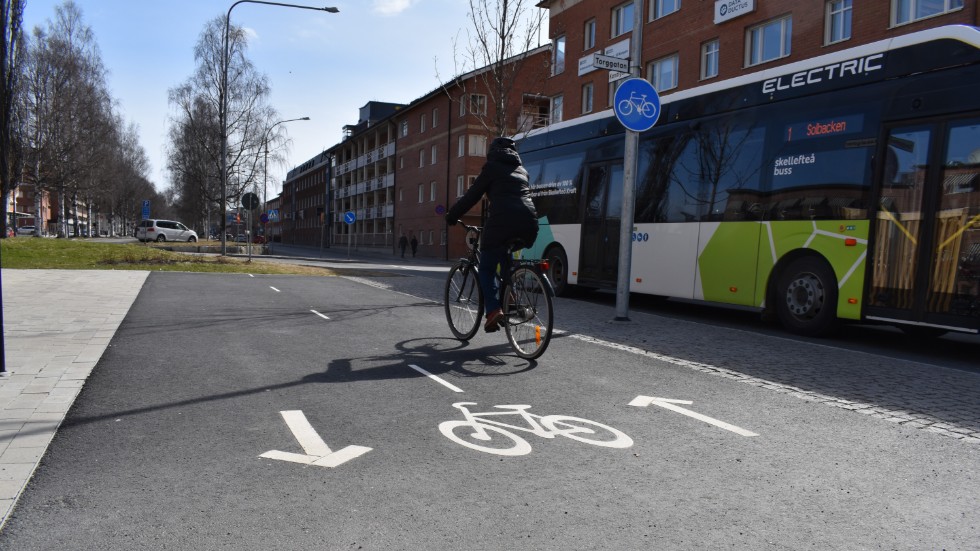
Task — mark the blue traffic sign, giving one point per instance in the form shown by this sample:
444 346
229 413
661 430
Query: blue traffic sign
350 217
146 209
637 104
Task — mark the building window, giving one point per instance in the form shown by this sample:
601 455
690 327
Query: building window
442 240
558 56
478 104
907 11
431 233
421 123
460 186
461 146
401 195
587 94
613 86
838 21
421 193
709 59
462 105
478 146
404 128
433 160
421 158
435 117
768 41
556 108
660 8
432 191
589 35
662 73
622 19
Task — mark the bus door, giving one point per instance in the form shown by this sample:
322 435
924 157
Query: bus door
603 204
926 265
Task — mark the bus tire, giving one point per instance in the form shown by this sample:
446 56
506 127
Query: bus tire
557 269
806 297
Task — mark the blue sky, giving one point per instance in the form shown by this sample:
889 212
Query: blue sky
320 65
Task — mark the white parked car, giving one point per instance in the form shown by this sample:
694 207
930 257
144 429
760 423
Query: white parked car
164 230
25 230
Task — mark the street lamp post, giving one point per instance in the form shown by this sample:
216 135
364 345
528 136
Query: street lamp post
265 166
223 105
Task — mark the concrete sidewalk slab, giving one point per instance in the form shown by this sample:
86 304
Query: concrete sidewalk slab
56 325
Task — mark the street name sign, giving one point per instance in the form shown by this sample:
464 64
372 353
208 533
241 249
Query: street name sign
611 63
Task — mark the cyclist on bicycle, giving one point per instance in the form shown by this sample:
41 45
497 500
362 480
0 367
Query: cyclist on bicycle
511 218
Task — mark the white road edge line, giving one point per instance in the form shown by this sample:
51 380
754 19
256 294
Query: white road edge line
319 314
442 382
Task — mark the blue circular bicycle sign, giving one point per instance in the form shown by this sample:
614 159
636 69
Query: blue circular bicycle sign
637 104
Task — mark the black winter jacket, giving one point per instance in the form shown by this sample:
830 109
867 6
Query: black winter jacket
504 181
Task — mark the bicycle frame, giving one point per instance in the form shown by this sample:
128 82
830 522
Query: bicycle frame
539 266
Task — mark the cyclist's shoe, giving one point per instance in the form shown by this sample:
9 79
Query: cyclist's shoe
493 321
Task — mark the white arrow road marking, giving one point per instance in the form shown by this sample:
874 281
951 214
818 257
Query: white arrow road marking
317 451
667 403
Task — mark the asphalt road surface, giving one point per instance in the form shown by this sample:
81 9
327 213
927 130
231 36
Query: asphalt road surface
273 412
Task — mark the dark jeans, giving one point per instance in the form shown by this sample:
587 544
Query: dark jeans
489 259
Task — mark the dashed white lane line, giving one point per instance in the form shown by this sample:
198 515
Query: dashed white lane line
319 314
274 289
442 382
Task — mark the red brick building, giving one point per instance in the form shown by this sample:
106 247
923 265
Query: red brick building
302 204
687 43
401 166
442 145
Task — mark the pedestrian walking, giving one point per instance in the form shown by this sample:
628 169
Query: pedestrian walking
415 245
402 244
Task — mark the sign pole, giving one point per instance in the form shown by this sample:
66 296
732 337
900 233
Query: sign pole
629 180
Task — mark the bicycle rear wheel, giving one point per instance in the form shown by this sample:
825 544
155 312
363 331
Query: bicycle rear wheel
528 314
463 300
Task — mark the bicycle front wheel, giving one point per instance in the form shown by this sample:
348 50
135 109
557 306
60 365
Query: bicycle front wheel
528 313
463 300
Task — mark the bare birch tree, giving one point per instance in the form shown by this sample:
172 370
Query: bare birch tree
496 52
194 157
11 119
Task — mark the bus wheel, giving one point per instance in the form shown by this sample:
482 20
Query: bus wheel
557 269
806 297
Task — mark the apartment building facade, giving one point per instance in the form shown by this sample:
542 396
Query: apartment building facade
363 179
688 43
401 166
442 146
302 203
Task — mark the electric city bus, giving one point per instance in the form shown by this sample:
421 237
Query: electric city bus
842 187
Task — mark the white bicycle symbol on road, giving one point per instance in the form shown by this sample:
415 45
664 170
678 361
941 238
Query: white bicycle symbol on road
639 102
478 431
